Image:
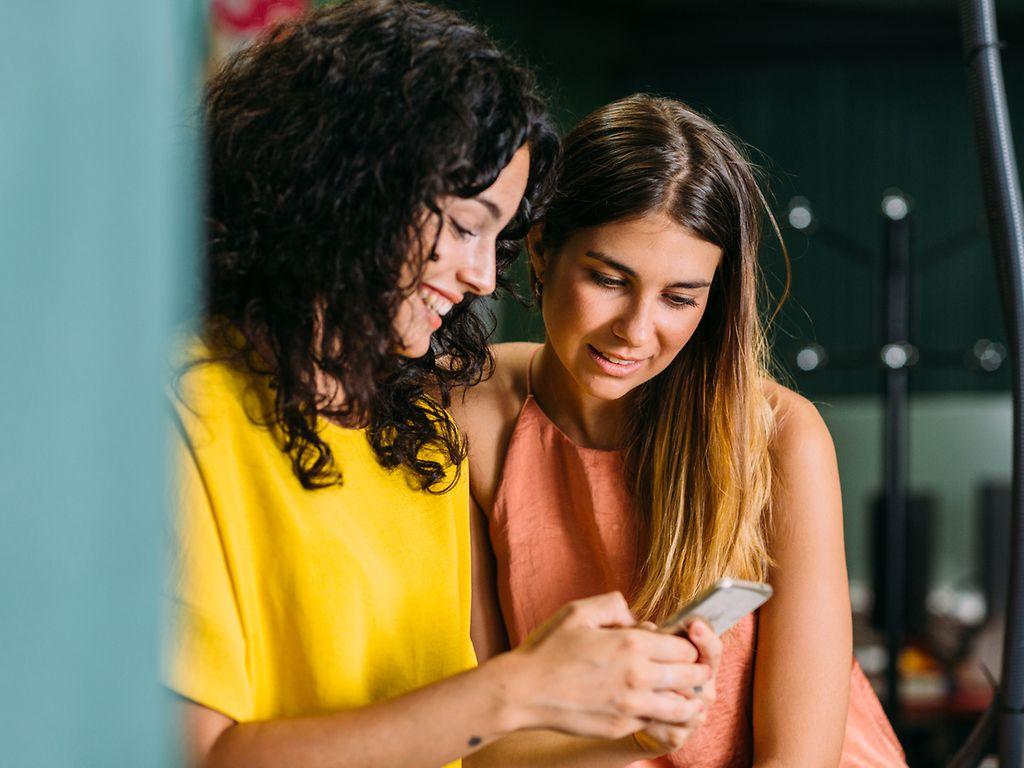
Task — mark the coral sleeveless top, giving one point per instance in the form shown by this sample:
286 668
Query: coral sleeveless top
562 529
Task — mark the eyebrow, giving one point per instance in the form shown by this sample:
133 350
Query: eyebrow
493 209
685 284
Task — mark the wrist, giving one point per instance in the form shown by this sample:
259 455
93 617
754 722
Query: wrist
507 686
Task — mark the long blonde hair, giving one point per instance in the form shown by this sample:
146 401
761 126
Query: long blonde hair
698 446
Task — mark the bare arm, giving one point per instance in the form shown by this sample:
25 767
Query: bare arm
802 672
559 750
406 730
584 672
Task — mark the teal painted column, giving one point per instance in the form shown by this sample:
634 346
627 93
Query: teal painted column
98 212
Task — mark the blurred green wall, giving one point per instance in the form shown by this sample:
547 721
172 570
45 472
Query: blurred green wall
840 100
97 227
958 441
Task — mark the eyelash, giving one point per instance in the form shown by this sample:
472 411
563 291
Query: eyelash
679 302
674 301
460 230
606 282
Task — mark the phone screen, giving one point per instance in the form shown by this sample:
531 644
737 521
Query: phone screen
722 606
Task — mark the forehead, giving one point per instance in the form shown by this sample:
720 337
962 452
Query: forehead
654 246
501 200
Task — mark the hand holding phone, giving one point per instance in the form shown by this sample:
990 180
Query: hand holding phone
719 608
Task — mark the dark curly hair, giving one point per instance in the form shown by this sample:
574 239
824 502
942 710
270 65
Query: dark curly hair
330 142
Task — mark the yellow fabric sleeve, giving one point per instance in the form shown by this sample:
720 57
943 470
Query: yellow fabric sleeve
207 663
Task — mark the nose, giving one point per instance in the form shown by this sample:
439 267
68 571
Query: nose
479 271
633 326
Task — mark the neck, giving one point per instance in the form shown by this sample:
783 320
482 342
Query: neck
588 421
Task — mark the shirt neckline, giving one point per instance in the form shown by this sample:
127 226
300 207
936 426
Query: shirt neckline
550 424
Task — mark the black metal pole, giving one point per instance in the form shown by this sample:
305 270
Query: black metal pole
896 360
1001 186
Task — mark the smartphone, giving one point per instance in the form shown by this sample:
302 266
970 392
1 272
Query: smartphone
721 606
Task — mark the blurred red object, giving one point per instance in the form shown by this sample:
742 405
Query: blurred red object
246 17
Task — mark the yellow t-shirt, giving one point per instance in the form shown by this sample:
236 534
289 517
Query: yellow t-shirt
302 602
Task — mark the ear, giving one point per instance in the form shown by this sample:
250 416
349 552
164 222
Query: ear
535 250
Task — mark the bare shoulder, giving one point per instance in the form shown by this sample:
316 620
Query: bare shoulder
487 413
503 391
807 492
800 431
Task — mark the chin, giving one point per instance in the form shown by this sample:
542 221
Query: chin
417 351
416 348
604 389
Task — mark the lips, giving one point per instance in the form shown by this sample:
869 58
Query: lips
612 364
435 300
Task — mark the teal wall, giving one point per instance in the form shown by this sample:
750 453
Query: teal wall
97 228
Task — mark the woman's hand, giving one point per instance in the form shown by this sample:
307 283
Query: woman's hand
659 738
591 671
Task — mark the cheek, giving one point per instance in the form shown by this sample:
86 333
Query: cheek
575 308
404 315
447 253
414 336
676 334
452 254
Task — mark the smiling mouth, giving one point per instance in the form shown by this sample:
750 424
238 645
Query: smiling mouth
616 360
613 364
435 302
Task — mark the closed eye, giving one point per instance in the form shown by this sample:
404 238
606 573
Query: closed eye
675 300
606 281
460 231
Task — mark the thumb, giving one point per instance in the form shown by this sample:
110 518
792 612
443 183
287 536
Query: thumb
607 610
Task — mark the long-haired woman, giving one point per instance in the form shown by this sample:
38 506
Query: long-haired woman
369 169
646 447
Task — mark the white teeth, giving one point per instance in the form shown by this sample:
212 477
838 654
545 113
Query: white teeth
435 301
616 360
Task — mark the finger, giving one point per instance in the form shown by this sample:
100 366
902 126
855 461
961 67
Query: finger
664 648
668 738
607 610
677 677
665 707
649 625
600 726
707 692
708 644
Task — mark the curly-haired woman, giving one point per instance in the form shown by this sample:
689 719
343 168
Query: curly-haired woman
369 169
645 447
